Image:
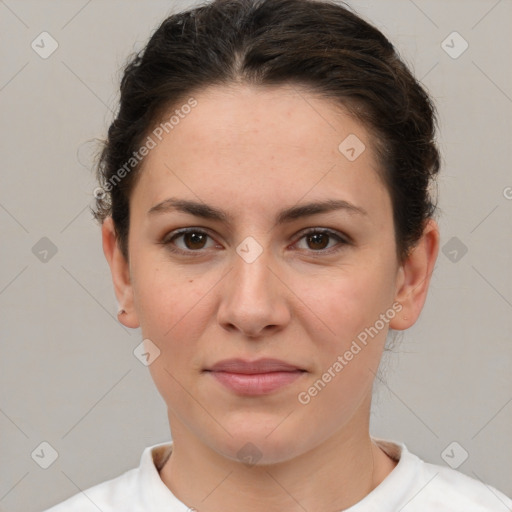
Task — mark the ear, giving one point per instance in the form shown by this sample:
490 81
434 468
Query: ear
413 277
120 271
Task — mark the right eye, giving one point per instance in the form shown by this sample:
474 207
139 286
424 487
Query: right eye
193 240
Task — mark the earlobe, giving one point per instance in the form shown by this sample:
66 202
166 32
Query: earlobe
120 270
414 275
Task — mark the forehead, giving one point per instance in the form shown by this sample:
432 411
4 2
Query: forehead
248 141
248 116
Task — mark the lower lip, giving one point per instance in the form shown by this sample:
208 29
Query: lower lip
256 384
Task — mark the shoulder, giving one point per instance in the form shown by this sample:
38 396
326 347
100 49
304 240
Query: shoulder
449 489
128 492
106 496
422 486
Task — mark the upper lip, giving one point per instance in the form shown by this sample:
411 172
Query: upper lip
265 365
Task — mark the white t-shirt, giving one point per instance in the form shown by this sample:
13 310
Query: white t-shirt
412 486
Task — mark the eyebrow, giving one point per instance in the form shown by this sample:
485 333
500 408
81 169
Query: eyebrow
205 211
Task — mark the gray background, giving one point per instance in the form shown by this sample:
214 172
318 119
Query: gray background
67 372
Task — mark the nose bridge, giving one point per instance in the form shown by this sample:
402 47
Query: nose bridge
253 298
252 275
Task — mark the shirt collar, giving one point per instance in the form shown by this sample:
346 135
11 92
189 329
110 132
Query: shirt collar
389 494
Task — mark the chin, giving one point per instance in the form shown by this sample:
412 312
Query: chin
255 447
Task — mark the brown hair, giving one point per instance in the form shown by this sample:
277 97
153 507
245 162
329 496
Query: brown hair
317 44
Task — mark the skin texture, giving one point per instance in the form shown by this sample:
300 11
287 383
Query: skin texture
253 152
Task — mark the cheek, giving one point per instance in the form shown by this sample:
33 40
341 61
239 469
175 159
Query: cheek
174 312
350 351
170 301
348 301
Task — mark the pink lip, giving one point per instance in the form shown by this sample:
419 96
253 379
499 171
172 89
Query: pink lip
254 377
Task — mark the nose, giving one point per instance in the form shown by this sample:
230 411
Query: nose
254 299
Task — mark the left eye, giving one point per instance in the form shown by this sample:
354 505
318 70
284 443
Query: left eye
318 240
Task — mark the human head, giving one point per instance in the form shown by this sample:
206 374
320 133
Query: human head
260 126
320 45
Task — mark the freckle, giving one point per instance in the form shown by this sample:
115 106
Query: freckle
191 280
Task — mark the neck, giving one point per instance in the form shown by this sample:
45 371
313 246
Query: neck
332 476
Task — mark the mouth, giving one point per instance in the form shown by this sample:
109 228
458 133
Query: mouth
253 378
259 366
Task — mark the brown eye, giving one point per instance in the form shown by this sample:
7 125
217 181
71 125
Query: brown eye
320 240
187 241
194 240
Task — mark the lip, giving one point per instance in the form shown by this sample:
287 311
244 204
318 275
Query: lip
265 365
254 377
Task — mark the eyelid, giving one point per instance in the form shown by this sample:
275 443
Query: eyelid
331 232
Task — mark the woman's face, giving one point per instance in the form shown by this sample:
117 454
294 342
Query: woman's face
250 283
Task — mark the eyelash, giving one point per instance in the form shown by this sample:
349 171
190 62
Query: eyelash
167 241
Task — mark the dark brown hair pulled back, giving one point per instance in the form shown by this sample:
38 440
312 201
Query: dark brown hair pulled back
321 45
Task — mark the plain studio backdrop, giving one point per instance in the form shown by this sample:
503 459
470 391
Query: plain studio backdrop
68 375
